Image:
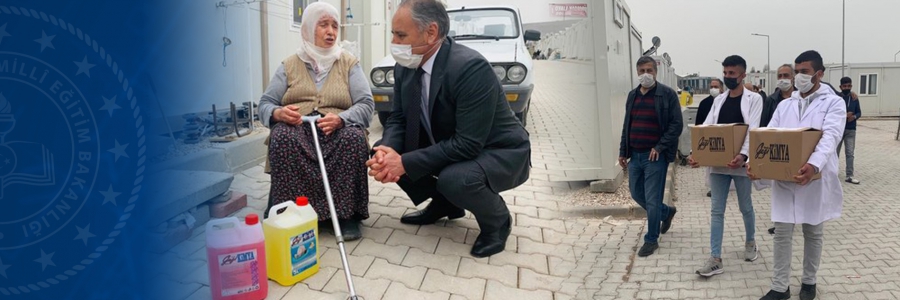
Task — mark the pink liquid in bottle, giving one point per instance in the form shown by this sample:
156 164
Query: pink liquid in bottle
236 255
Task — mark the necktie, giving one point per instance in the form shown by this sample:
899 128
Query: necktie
414 112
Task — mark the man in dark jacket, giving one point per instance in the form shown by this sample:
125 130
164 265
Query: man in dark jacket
715 89
649 143
783 90
853 113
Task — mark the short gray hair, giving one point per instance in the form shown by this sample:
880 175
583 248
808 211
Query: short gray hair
424 12
789 66
719 80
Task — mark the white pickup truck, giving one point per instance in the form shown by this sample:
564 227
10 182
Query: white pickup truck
494 31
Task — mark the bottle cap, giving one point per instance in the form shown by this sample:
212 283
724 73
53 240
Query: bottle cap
252 219
302 201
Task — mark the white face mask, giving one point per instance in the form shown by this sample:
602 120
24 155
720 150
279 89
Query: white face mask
404 56
714 92
647 80
784 84
803 82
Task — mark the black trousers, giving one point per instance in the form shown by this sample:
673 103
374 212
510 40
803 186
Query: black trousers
463 185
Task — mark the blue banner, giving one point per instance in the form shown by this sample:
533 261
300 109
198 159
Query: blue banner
73 149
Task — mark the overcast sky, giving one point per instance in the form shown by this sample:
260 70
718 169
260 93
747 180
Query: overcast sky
695 32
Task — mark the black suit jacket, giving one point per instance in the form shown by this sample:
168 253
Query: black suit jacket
470 120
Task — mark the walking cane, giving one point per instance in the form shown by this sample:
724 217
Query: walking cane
334 219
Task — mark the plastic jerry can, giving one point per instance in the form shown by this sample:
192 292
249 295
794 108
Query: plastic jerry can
292 241
236 254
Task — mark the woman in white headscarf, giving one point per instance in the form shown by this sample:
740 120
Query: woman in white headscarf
320 78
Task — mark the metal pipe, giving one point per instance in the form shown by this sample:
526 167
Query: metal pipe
264 41
338 236
768 55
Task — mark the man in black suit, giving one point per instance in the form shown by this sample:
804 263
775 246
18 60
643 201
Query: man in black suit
451 135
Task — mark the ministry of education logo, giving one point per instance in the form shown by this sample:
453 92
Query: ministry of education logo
72 151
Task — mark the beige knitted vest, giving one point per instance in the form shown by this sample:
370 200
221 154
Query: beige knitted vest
301 88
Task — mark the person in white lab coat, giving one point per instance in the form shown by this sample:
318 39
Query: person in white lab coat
806 201
737 105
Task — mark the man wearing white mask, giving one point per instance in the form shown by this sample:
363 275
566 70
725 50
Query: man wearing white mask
738 105
451 135
649 143
715 89
784 88
806 201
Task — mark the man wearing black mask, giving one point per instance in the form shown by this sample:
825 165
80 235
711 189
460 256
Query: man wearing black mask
853 113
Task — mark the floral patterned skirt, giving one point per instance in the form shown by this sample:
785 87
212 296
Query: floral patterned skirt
294 168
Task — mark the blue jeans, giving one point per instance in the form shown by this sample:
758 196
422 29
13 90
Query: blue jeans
719 185
647 181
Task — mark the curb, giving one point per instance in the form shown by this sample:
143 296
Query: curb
626 211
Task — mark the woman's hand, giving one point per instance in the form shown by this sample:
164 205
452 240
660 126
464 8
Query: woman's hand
330 122
287 114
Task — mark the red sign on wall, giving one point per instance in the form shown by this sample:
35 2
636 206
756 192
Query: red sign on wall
568 10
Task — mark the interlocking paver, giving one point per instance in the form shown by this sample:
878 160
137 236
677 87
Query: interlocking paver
471 288
497 291
536 262
553 256
367 288
358 264
398 291
531 280
469 268
393 254
424 243
457 234
448 264
411 277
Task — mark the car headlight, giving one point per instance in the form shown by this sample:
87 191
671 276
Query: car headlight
389 77
500 71
516 74
378 77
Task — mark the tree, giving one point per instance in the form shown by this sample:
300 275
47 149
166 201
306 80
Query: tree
752 69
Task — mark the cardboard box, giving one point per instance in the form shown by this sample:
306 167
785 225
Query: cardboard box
779 153
717 145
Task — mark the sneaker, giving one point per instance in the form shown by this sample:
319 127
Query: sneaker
667 223
751 252
647 249
709 194
851 180
711 267
807 291
773 295
772 230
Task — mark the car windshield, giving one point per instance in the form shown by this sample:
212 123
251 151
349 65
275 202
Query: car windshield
483 24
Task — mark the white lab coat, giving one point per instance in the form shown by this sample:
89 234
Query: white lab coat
822 199
751 110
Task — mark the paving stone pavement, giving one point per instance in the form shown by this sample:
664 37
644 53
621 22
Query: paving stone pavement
860 258
398 261
552 256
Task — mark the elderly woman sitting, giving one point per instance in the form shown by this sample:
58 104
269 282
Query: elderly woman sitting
320 78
